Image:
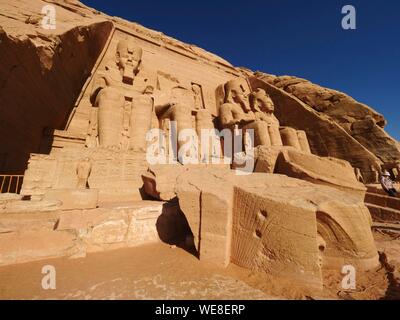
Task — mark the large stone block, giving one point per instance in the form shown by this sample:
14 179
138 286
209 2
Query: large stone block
124 225
276 236
20 247
275 224
321 170
74 198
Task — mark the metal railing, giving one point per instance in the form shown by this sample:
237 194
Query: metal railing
11 183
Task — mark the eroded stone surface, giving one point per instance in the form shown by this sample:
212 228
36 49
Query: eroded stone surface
233 218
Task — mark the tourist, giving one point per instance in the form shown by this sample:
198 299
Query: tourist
387 184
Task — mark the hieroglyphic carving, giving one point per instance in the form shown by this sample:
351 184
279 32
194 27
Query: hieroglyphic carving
92 134
198 96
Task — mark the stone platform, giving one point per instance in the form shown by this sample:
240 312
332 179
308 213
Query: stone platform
35 234
383 208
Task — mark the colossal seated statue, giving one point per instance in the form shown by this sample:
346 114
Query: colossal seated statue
303 141
108 97
183 107
235 110
179 110
255 111
110 103
266 124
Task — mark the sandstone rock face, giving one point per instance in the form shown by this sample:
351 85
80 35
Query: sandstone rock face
36 245
359 121
341 107
17 204
42 72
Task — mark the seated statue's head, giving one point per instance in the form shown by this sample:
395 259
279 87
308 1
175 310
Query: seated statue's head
261 101
235 93
128 59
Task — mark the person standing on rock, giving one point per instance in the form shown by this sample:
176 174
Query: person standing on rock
387 184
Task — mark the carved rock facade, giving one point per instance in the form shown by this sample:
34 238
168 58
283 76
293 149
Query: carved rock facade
89 184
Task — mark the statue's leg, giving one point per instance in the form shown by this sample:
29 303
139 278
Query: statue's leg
290 138
110 117
140 121
275 135
261 134
182 117
305 147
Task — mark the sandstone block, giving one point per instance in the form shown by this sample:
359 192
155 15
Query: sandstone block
74 198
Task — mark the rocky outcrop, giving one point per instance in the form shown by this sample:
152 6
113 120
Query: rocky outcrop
41 76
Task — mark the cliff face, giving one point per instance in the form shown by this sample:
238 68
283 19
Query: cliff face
42 73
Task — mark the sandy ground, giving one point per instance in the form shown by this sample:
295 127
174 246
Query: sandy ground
161 271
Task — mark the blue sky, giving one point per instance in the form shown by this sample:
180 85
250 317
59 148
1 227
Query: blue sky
301 38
